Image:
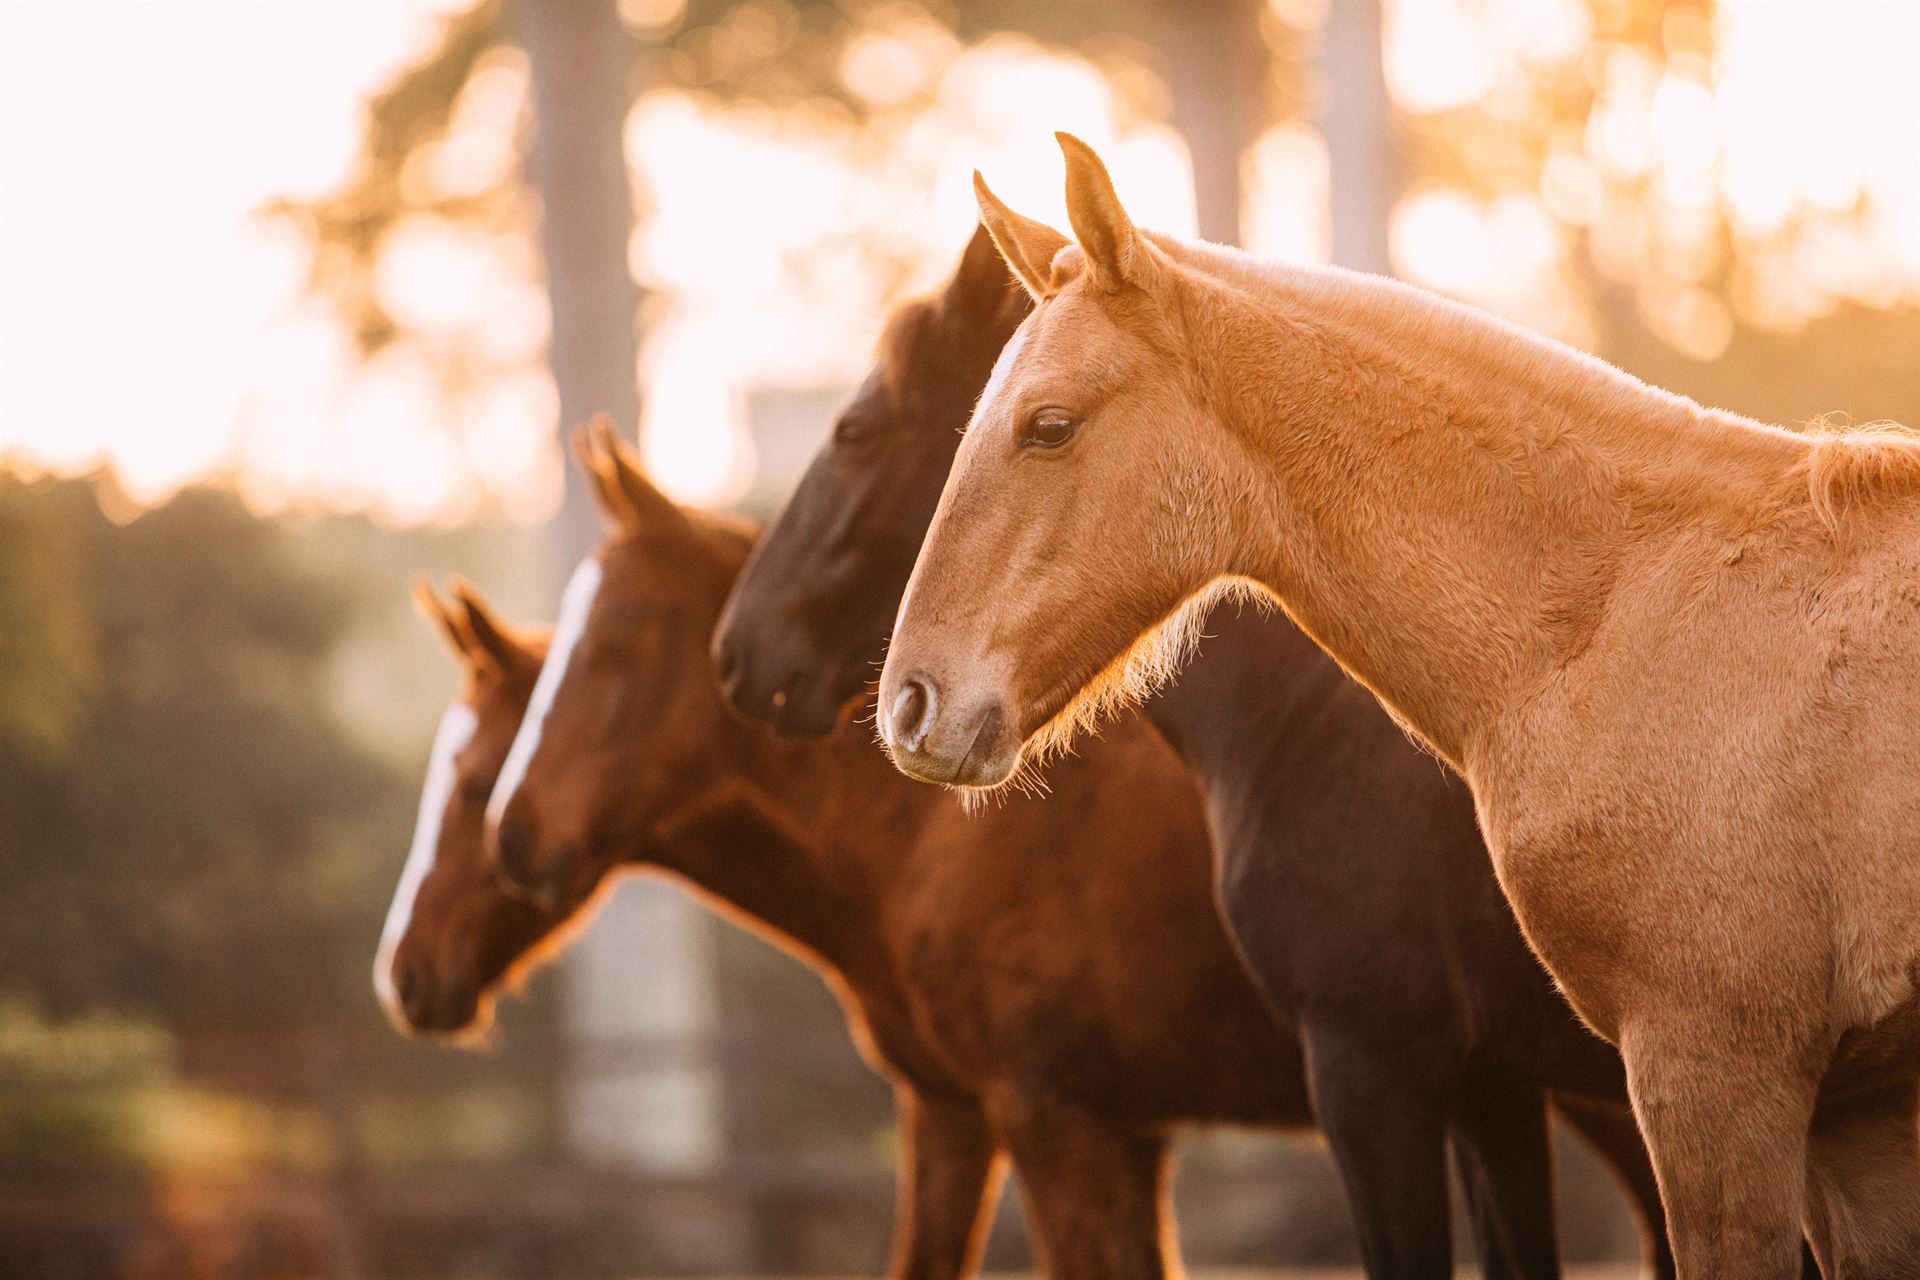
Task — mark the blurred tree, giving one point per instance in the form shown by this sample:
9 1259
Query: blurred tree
46 642
184 847
1208 64
581 65
1365 172
1608 125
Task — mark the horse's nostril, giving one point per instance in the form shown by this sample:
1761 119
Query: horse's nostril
911 716
457 1005
516 849
726 664
414 988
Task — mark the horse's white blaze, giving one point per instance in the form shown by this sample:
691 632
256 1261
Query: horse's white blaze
1003 367
575 603
455 732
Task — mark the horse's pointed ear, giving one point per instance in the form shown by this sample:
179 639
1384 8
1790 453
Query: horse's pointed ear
651 508
1027 246
589 448
981 286
1101 226
491 637
435 610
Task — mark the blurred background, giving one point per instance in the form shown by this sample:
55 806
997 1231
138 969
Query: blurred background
296 297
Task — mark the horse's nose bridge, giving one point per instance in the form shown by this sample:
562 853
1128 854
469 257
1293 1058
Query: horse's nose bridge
510 839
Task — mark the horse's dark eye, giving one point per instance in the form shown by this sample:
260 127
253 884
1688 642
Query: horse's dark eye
855 429
1049 429
477 792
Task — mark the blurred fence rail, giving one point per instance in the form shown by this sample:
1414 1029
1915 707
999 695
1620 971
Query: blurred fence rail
310 1159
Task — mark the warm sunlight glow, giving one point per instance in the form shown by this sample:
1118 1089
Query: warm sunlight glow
1784 141
1436 56
790 292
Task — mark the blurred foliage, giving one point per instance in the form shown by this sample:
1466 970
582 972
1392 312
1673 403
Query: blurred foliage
189 844
46 641
1853 365
1617 135
792 54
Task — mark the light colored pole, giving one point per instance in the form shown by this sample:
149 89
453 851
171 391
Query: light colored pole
639 985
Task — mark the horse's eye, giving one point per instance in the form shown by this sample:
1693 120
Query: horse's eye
854 428
1049 429
477 792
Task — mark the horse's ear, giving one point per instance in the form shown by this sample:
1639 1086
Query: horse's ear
1027 246
492 639
981 285
1101 226
435 610
589 450
651 508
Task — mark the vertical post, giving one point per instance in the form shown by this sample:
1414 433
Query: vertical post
1363 144
639 982
1218 66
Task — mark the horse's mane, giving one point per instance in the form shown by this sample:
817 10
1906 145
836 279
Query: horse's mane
1851 465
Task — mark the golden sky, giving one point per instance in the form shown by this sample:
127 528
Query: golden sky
153 319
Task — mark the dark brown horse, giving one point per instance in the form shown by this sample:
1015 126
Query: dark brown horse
1350 867
1062 1000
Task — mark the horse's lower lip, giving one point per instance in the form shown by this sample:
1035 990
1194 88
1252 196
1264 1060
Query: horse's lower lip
988 728
798 706
984 763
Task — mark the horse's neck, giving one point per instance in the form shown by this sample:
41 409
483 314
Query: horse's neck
800 837
1444 501
1253 688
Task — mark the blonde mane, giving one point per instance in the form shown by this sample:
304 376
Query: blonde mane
1850 466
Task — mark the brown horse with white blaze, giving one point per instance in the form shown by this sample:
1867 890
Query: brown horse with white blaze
1048 984
1671 650
452 939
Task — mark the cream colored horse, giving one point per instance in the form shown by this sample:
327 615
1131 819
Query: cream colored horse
1675 652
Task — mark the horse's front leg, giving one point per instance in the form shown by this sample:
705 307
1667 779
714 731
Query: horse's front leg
1863 1196
949 1178
1725 1116
1505 1154
1387 1129
1095 1191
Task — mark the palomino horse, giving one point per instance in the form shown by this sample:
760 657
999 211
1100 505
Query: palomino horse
1673 651
1049 981
1349 865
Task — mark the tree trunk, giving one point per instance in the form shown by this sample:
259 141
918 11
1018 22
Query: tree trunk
640 982
1363 145
1218 67
579 57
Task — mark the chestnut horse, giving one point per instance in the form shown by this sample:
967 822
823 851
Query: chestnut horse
453 939
1349 866
1049 981
1672 650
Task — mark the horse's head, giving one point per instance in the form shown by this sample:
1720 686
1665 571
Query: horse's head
808 620
1056 553
624 725
452 936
